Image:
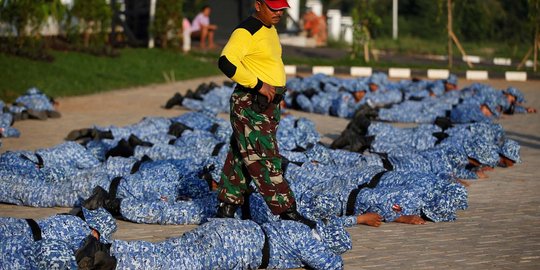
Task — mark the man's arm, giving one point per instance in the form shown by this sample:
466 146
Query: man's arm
230 62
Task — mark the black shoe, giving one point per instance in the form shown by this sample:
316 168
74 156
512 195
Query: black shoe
175 100
113 206
97 199
104 261
135 141
176 129
122 149
40 115
292 214
98 134
226 210
94 255
20 116
189 94
78 134
53 114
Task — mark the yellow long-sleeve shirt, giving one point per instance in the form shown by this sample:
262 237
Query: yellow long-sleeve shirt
253 56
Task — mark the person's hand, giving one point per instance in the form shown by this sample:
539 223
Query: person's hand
411 219
370 219
268 91
531 110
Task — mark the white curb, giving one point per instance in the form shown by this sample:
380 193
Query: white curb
515 76
471 58
323 69
477 75
399 73
361 71
502 61
438 73
290 70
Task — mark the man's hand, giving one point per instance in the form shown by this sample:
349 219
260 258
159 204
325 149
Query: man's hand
268 91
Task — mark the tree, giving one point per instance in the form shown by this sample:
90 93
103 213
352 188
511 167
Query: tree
28 16
534 17
364 18
168 21
93 20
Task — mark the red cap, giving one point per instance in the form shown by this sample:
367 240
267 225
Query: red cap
277 4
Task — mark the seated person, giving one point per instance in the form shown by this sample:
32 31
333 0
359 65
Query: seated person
316 27
202 29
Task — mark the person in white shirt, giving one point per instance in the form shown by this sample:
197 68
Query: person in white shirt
201 28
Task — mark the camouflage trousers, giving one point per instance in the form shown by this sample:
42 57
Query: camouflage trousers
253 156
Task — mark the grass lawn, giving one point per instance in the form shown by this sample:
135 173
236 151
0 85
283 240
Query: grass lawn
412 45
75 73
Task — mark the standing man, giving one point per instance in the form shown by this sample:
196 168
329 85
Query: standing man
252 58
201 28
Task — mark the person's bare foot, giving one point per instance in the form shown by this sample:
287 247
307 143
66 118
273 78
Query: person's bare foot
370 219
486 169
481 174
411 219
506 162
463 182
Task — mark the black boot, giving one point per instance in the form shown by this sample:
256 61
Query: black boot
176 129
78 134
97 199
135 141
292 214
113 206
98 134
53 114
189 94
94 255
175 100
122 149
226 210
40 115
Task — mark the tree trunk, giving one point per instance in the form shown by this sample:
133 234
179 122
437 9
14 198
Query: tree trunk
449 26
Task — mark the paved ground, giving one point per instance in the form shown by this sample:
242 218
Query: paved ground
500 230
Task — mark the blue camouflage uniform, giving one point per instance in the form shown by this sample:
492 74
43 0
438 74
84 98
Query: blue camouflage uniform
166 192
238 244
6 130
388 137
59 237
216 100
34 99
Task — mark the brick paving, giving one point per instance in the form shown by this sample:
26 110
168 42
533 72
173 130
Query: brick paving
500 230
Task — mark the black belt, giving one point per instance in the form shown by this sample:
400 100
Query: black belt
354 193
265 252
280 93
36 230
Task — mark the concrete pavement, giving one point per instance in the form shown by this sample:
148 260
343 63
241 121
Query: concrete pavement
500 230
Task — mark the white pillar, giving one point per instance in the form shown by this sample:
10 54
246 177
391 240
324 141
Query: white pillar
294 12
395 19
347 28
334 23
152 15
316 6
